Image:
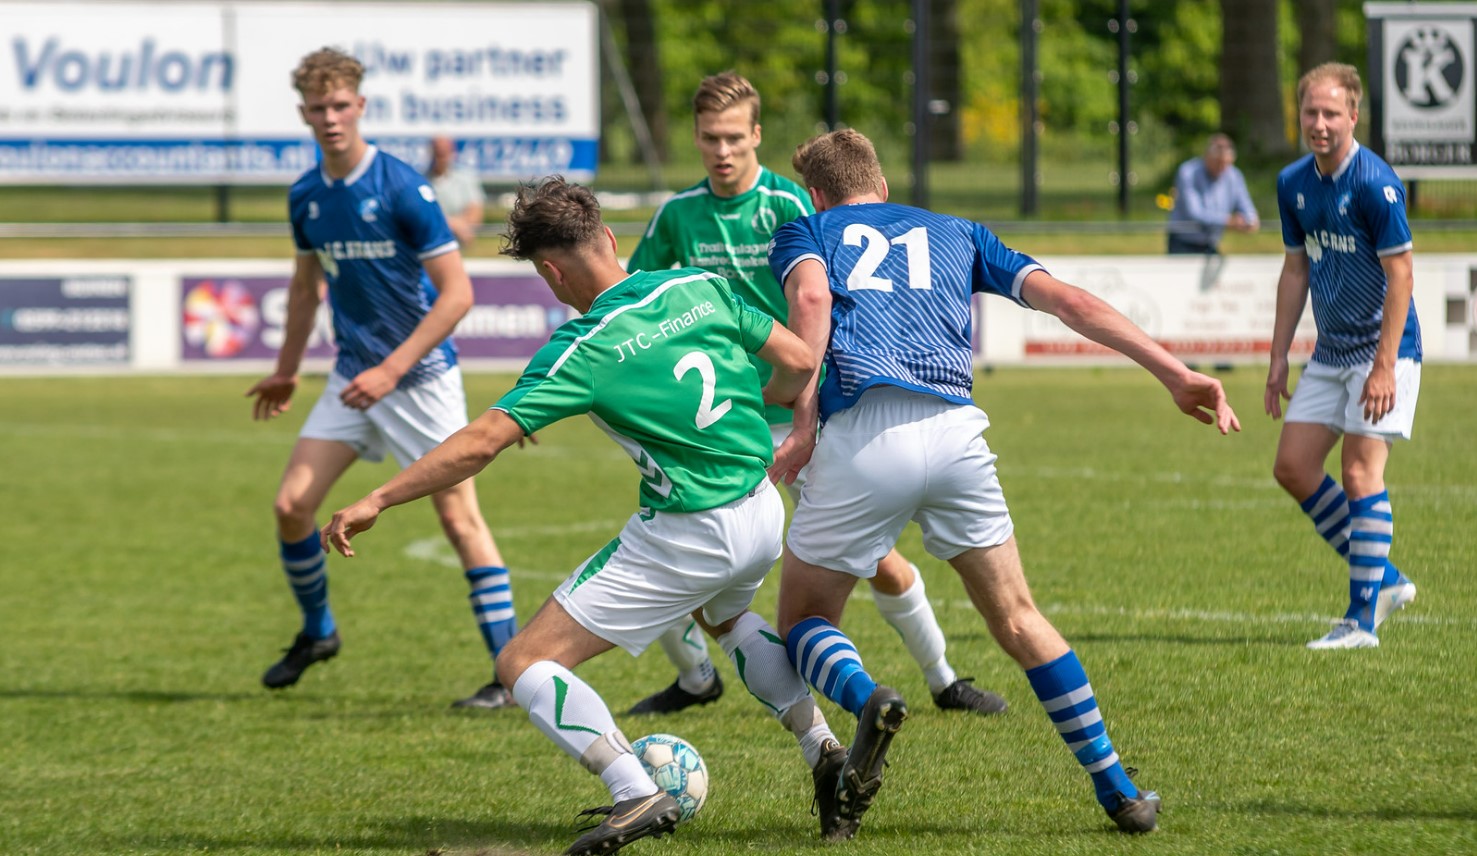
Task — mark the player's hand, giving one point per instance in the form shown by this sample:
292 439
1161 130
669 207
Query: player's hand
792 456
1203 397
1378 395
368 387
527 438
273 395
1276 391
347 523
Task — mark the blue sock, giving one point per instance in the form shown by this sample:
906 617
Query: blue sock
1371 528
1062 687
492 604
1329 509
826 658
306 567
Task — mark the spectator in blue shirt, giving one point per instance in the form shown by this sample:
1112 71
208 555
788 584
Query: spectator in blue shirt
1209 197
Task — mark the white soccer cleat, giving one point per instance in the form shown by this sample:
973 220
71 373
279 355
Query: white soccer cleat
1391 599
1345 634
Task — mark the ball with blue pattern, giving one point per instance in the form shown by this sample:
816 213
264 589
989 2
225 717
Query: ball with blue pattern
677 768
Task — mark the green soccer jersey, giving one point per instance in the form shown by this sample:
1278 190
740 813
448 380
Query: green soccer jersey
661 364
730 237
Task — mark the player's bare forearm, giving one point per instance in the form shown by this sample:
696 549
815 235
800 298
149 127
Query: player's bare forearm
1292 296
794 366
1194 394
453 300
808 298
458 458
1399 285
303 298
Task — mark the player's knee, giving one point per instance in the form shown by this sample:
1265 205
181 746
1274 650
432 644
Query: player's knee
292 514
1292 475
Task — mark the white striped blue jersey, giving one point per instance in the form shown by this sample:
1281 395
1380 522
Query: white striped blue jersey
371 231
901 285
1346 222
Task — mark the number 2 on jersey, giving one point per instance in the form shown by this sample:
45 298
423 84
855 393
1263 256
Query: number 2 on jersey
875 247
707 414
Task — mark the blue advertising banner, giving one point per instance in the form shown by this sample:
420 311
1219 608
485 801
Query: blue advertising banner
64 321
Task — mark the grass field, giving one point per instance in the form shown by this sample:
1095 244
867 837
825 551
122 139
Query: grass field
142 601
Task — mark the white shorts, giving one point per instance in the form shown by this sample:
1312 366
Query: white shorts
1329 396
408 422
663 566
892 457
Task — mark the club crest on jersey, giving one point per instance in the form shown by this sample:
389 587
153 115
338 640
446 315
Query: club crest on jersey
312 211
427 193
369 210
1301 202
1390 195
1344 205
765 221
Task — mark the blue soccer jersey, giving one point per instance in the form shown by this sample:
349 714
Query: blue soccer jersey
1346 222
371 231
901 281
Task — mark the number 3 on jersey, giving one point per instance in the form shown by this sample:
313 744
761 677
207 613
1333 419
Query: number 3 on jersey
875 247
707 414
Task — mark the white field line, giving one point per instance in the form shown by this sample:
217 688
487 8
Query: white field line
1009 473
438 551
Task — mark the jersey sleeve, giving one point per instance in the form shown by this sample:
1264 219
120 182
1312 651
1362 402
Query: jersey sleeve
1292 231
791 245
1382 204
997 268
754 325
556 384
654 252
420 217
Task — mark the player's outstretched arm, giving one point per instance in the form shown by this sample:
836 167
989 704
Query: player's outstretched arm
273 393
1292 296
1194 394
458 458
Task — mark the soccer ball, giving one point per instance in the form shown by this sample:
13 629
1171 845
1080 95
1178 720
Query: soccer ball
676 768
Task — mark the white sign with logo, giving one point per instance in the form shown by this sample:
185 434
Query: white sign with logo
1424 92
1428 80
201 92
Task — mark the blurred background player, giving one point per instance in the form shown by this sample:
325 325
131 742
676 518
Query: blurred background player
686 408
883 291
1210 196
1347 240
723 224
458 190
370 224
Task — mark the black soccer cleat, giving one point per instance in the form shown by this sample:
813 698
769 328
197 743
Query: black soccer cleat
305 651
626 821
493 696
827 776
964 695
861 776
675 698
1137 814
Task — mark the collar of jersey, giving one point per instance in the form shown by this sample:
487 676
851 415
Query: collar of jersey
1343 164
358 172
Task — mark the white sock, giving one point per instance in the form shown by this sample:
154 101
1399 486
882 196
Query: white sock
911 615
687 648
569 712
759 657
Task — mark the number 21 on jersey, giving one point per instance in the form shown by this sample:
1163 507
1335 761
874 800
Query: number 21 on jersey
875 248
